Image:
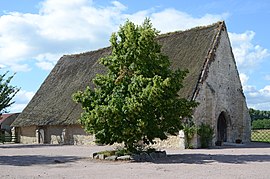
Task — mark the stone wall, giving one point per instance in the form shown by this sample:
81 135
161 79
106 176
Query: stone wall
173 142
222 92
27 135
73 134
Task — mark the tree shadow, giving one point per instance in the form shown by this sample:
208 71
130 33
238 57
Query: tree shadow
28 160
245 145
15 146
211 158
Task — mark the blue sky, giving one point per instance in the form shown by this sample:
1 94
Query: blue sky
35 34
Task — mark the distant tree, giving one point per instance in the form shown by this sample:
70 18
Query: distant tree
137 99
7 92
257 114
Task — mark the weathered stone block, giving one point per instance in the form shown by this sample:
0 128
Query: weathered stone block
113 158
94 155
125 157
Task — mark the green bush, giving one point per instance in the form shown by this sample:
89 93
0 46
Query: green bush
261 124
189 130
206 132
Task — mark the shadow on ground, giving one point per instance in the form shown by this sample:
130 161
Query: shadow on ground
245 145
14 146
210 158
28 160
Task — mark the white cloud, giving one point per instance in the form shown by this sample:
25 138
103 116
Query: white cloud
73 20
256 98
244 81
60 27
244 78
19 67
16 108
165 20
45 65
21 99
265 91
261 106
24 96
47 61
247 54
64 27
249 57
259 98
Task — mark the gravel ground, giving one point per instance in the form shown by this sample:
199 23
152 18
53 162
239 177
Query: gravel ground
49 161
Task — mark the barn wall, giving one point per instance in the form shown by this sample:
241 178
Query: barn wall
222 92
73 134
27 135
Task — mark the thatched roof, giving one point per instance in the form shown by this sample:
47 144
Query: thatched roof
53 105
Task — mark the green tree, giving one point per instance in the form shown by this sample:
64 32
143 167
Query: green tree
257 114
137 99
261 124
7 92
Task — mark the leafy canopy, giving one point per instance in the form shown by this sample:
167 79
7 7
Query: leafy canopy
7 92
257 114
137 99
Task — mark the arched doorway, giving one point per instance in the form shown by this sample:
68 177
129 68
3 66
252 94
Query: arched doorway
222 128
40 136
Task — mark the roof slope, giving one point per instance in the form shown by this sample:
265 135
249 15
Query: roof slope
8 118
52 104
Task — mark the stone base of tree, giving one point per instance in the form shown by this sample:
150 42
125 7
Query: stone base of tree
142 157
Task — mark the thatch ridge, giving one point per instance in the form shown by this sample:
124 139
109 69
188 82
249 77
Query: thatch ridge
87 52
209 58
52 104
191 29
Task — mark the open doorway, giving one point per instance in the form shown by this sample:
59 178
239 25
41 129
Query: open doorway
40 136
222 128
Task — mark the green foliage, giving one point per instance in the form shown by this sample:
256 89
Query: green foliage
118 152
122 152
189 129
206 132
137 99
257 114
7 92
261 124
107 153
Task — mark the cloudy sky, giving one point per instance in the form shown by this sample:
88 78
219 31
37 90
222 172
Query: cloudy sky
35 34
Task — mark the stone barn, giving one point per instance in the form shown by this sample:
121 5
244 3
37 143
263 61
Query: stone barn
213 81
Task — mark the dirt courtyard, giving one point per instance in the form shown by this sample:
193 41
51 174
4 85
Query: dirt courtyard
49 161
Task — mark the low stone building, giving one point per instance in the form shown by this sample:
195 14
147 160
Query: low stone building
213 81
